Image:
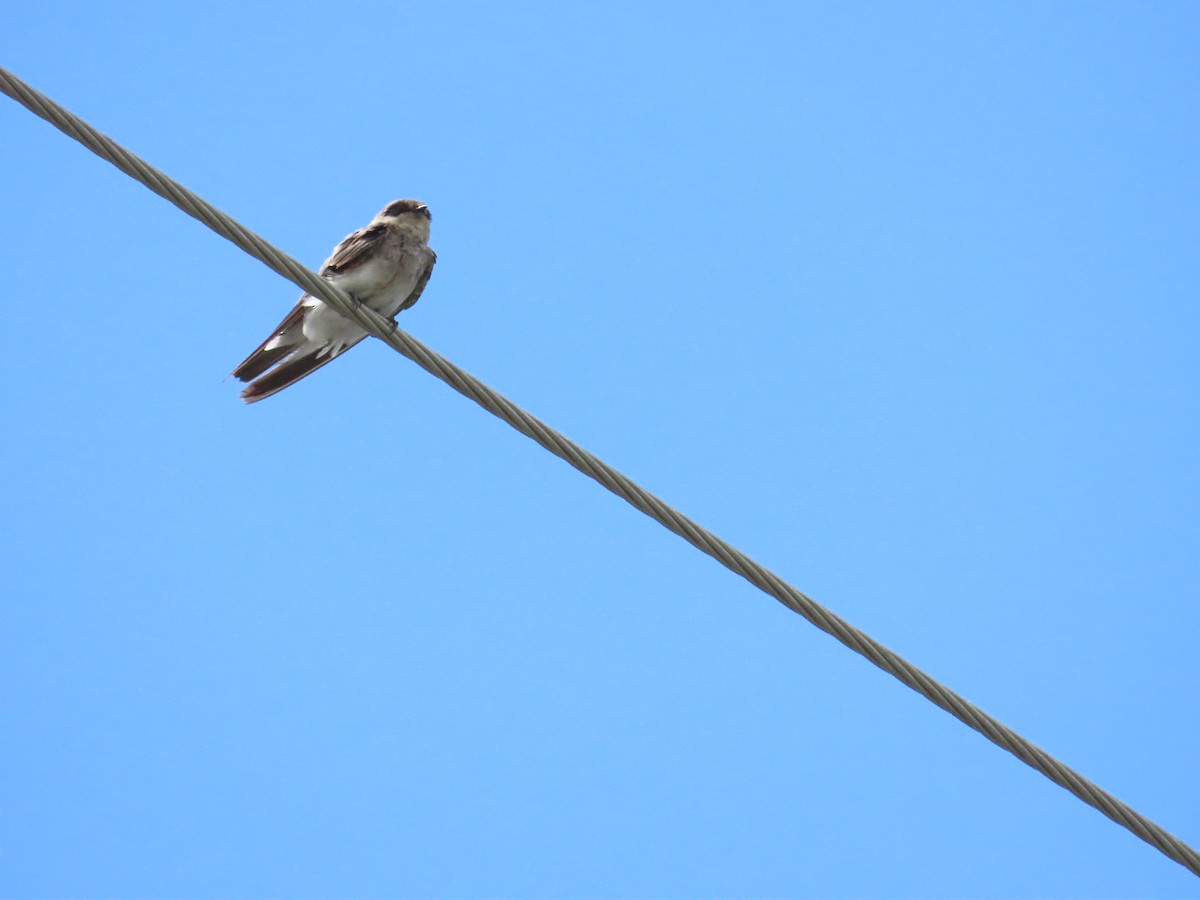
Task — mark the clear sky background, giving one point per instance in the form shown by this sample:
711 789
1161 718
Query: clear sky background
902 299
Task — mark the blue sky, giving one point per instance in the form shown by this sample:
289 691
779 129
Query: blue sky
899 298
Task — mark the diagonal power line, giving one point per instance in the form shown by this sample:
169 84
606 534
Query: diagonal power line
637 496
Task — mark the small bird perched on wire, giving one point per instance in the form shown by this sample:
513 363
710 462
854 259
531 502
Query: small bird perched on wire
384 266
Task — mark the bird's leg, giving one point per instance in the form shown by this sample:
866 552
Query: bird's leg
358 304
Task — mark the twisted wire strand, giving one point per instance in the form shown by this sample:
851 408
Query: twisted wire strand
567 450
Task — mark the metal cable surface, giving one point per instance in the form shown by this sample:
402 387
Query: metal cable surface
594 468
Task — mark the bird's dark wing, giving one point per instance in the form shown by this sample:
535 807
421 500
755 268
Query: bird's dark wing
291 371
354 249
291 330
420 285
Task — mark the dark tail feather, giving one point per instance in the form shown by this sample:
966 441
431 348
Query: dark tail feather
261 360
289 333
289 373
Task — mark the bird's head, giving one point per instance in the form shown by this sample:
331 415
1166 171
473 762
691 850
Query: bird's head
412 215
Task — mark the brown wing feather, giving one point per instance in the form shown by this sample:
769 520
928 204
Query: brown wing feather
420 285
262 359
351 251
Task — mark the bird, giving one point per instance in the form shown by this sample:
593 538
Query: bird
384 265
